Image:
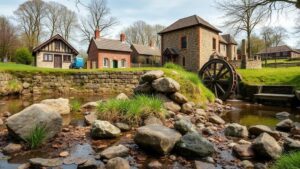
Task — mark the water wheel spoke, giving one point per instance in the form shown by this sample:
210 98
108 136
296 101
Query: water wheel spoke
207 72
215 69
220 88
223 74
221 70
216 91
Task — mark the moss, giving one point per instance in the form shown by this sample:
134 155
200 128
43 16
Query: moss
14 86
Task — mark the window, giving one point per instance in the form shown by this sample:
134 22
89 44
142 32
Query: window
57 45
123 63
67 58
183 61
105 62
48 57
183 42
147 61
214 43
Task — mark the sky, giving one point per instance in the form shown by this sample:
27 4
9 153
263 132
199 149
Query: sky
163 12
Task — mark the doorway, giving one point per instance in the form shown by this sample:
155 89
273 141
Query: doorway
115 64
57 61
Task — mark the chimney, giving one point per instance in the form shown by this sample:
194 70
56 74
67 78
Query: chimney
122 37
97 33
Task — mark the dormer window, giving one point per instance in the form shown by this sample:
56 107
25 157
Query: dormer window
183 42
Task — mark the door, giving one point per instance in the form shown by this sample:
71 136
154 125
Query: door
115 64
57 61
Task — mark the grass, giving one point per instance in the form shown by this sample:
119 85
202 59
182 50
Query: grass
14 85
271 76
132 111
36 137
75 105
288 161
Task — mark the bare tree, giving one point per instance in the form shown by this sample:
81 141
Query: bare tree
274 36
98 18
241 18
67 23
30 15
53 15
8 39
267 33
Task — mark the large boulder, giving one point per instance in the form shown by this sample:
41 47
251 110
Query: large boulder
59 105
152 75
291 144
193 145
178 98
258 129
285 125
166 85
115 151
145 88
37 115
295 128
184 126
156 138
104 129
265 146
236 130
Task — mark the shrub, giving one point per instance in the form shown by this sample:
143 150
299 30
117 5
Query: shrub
36 137
23 56
288 161
131 111
75 105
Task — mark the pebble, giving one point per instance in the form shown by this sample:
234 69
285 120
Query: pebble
64 154
155 165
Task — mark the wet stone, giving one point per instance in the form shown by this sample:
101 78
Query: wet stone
117 163
153 120
123 126
115 151
12 148
203 165
243 151
41 162
155 165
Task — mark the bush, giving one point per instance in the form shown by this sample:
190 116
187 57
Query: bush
288 161
37 137
75 105
23 56
131 111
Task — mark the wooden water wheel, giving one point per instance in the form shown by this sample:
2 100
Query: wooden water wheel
220 77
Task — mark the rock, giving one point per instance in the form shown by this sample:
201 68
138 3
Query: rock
123 126
145 88
260 166
38 115
193 145
172 106
104 129
90 105
12 148
75 160
243 151
26 85
41 162
265 146
258 129
156 138
216 119
115 151
203 165
1 122
218 101
187 108
153 120
295 129
89 164
201 112
117 163
6 114
166 85
178 98
24 166
90 118
152 75
59 105
64 154
184 126
291 144
285 125
170 114
247 164
155 165
122 96
282 115
236 130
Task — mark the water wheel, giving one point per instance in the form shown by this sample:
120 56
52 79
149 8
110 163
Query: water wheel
220 77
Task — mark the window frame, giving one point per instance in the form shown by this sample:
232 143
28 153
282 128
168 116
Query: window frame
105 62
123 63
47 56
214 44
182 44
68 61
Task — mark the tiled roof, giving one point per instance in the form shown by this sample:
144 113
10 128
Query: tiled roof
189 22
229 39
283 48
222 40
110 44
146 50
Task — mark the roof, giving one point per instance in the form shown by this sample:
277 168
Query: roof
189 22
110 44
171 51
277 49
146 50
222 40
56 37
229 39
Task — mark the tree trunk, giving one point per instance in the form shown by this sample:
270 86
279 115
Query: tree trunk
249 44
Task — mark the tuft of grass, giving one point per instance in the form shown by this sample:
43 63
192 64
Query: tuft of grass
288 161
75 105
36 137
14 85
173 66
131 111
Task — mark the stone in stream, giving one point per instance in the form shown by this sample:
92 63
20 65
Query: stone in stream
236 130
184 126
216 119
285 125
37 115
42 162
259 129
243 151
104 130
90 118
172 106
295 128
153 120
187 108
122 96
156 138
291 144
193 145
265 146
115 151
59 105
166 85
12 148
155 165
91 164
247 164
117 163
152 75
282 115
218 101
90 105
178 98
203 165
123 126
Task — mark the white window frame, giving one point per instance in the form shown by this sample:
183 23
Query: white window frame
105 62
123 63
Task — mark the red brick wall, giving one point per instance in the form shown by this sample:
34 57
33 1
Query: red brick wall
93 54
113 55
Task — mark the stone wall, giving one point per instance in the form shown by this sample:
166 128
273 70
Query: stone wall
250 64
88 83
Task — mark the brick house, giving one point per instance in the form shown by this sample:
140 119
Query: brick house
284 52
145 55
108 53
191 41
54 53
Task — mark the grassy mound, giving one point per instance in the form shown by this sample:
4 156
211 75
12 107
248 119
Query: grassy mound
132 111
289 161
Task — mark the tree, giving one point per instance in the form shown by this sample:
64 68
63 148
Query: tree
23 56
98 18
258 44
275 4
8 38
274 36
53 16
241 18
267 33
30 15
67 23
